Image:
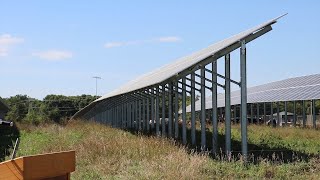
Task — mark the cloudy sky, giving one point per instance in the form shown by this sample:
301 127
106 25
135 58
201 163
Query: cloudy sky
57 47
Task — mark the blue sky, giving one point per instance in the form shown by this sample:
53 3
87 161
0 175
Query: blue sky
55 47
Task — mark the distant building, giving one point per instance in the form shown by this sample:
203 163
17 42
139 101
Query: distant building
3 109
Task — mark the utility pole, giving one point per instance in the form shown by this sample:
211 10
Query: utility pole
96 77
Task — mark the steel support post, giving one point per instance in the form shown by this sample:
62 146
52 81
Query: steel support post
152 114
314 118
286 113
264 113
193 110
157 112
258 113
203 109
148 115
304 120
137 115
251 113
144 127
170 110
243 79
184 113
163 116
271 113
278 114
227 105
235 114
294 113
128 115
176 112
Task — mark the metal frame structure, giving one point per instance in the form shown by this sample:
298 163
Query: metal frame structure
302 92
172 82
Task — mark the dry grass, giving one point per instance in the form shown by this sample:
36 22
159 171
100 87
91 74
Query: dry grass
106 153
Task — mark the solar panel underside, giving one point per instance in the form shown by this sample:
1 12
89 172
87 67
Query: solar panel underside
292 89
171 70
161 74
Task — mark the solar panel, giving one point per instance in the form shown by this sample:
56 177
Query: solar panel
292 89
171 70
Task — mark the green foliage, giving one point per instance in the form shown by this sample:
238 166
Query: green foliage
55 108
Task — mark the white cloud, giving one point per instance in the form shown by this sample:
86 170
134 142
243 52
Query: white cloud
53 55
168 39
6 42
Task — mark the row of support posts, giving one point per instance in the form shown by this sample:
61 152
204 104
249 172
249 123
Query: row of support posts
283 119
162 108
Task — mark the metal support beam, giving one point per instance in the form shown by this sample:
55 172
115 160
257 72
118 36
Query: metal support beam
203 109
193 112
271 113
264 113
148 115
170 110
314 114
157 112
223 77
227 105
243 79
184 113
152 114
176 113
251 113
286 113
294 113
278 114
144 120
258 113
206 79
163 116
304 119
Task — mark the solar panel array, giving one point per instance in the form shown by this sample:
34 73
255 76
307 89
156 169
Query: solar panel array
161 74
292 89
171 70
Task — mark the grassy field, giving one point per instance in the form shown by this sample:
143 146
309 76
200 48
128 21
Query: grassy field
106 153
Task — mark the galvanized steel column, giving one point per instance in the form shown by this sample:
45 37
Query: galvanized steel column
264 113
294 113
144 127
271 113
304 121
251 113
170 110
148 115
193 112
203 110
163 119
258 113
152 113
286 113
184 113
235 113
157 112
176 111
243 77
278 114
140 115
137 115
314 114
227 104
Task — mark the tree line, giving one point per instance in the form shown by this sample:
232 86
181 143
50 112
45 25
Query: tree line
53 108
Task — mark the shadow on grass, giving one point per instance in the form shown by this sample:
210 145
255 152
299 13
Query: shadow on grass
256 152
8 136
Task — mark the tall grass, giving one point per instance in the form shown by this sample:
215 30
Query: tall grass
106 153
